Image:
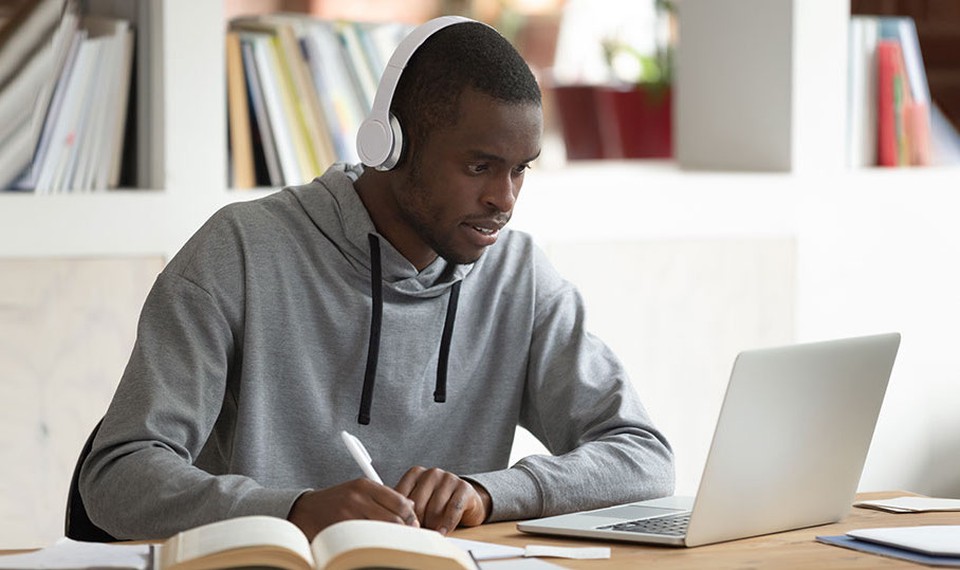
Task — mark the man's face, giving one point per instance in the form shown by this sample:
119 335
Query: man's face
464 182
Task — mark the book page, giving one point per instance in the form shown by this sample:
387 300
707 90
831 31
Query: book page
275 537
358 543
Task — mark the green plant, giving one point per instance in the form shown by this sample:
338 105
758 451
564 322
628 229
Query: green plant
629 65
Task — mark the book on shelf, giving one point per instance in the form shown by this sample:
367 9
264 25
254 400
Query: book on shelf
309 85
264 56
862 93
889 104
263 147
242 169
330 72
35 45
63 112
266 542
83 150
312 144
24 32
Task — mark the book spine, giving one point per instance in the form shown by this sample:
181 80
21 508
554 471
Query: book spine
282 137
260 128
887 57
241 147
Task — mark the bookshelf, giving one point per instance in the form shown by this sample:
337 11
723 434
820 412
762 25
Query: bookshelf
796 256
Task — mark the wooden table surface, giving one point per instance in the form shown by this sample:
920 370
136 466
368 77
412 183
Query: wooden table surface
793 549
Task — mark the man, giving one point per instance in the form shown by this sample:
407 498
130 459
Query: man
391 304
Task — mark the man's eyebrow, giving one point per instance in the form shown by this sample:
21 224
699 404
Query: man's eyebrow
483 155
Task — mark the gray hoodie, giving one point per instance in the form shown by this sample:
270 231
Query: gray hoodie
287 319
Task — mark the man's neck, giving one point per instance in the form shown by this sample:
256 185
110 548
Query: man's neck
376 191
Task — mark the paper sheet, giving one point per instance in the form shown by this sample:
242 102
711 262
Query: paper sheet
578 553
518 564
68 554
487 550
912 504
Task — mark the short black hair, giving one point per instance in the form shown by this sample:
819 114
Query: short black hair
468 55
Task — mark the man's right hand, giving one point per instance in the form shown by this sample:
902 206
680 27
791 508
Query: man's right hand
314 511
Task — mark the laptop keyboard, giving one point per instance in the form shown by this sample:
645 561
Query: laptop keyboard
669 525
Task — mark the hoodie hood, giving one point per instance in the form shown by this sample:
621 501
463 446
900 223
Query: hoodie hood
336 210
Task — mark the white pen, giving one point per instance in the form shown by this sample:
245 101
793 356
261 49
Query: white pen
360 455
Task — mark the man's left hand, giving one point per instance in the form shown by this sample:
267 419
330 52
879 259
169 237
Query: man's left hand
442 500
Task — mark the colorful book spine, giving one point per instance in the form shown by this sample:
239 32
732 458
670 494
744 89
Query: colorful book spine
888 54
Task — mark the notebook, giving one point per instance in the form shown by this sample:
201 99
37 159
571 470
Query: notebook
787 452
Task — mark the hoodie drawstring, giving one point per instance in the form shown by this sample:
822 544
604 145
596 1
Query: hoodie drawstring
376 319
440 393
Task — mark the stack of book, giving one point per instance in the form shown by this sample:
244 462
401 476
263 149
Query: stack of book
64 90
297 90
933 545
888 99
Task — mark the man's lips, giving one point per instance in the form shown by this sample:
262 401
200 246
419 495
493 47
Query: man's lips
488 225
485 231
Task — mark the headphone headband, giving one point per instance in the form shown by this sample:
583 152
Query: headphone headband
379 140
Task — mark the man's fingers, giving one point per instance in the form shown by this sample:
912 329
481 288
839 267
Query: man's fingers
455 507
409 480
441 500
390 505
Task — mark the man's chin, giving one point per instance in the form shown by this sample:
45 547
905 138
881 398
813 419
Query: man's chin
462 258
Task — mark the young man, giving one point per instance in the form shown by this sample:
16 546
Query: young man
395 305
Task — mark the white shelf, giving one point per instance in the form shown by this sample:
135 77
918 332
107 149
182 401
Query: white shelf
589 201
599 201
584 201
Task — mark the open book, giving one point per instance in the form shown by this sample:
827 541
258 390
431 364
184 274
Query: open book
268 541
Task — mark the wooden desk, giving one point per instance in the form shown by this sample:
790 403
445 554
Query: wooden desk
793 549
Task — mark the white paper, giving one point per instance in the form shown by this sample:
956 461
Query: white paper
579 553
487 550
517 564
912 504
68 554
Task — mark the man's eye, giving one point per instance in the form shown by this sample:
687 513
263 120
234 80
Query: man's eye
477 168
520 169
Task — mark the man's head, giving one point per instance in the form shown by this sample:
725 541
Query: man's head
471 117
463 56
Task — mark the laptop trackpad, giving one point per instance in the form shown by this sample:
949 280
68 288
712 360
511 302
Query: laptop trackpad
632 512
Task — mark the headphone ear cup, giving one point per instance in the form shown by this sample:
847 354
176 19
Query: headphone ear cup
396 149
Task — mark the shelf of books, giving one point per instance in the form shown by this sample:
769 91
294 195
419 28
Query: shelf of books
207 108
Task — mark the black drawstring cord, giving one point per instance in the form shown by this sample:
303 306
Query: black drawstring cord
440 393
376 317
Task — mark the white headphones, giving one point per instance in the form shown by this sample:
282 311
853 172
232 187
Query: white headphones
380 140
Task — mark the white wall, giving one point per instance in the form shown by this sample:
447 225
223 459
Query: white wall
875 250
66 330
883 253
676 312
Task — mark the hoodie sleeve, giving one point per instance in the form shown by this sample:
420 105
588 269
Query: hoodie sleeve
580 403
140 480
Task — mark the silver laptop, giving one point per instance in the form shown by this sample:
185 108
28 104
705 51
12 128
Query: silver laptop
787 452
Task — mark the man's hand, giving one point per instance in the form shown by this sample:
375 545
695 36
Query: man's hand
442 500
314 511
